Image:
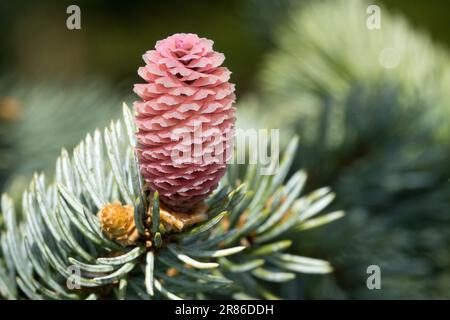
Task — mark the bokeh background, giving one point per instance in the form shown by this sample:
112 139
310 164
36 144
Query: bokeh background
371 107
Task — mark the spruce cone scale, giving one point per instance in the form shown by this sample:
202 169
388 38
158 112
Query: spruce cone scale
185 119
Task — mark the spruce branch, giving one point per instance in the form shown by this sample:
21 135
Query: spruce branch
233 253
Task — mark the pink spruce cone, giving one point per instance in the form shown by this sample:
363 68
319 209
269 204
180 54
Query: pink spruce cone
185 119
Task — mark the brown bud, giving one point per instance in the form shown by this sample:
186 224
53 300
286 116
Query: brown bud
117 222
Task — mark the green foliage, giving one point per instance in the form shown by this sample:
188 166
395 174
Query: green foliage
48 116
379 136
233 254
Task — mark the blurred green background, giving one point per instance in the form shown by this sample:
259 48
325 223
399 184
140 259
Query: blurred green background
36 44
378 136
